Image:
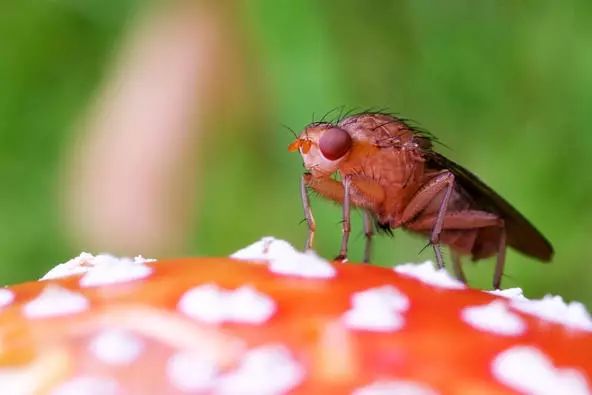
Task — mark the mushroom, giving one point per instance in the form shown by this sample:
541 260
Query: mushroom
273 320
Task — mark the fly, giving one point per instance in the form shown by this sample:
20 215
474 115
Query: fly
390 171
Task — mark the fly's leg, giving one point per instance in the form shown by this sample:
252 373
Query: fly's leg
457 267
368 232
345 224
501 259
435 239
307 214
361 192
443 181
468 220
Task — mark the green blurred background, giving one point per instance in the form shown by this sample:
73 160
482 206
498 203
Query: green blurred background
506 85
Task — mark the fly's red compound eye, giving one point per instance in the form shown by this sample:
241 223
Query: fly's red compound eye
335 143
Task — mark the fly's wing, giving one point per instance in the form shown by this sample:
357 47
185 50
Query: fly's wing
520 233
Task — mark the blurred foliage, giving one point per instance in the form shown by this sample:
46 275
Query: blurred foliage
506 85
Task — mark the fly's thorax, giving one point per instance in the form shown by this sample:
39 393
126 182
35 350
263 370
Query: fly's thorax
390 167
400 175
379 129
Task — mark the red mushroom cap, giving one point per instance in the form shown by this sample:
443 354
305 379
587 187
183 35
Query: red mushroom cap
272 320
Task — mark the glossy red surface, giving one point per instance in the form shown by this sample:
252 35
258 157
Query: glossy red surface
434 347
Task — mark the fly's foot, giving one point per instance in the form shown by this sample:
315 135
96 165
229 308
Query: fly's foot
438 254
341 258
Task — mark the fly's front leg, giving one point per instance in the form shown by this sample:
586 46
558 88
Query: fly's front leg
345 224
351 191
307 213
368 232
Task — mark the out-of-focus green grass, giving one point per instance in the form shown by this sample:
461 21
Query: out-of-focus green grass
506 85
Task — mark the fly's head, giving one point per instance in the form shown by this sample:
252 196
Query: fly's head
323 147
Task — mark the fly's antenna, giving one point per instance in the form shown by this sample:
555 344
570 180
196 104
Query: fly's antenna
290 130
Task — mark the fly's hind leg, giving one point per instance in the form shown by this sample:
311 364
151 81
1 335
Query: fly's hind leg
500 260
443 181
368 232
457 266
468 220
448 180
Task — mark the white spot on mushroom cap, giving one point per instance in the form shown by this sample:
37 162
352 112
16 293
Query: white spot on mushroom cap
116 346
426 273
550 308
110 270
282 258
211 304
377 309
17 380
527 369
268 369
86 262
553 308
189 371
6 297
88 385
307 264
509 293
55 301
77 265
265 249
386 296
494 317
395 387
